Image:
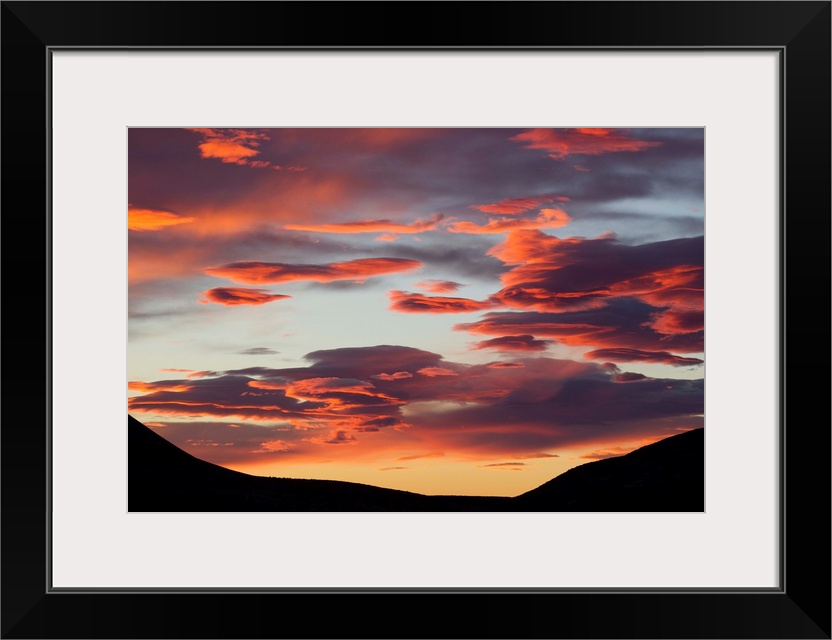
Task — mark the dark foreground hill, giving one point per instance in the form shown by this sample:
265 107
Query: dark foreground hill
665 476
668 475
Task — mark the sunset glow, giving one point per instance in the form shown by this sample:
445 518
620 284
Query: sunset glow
445 311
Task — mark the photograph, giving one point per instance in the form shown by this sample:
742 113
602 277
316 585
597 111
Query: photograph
416 319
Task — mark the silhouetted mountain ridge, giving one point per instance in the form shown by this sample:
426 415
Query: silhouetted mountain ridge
162 477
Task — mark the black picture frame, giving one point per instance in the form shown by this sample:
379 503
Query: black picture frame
799 608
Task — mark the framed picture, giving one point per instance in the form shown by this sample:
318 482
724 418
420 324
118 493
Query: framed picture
87 84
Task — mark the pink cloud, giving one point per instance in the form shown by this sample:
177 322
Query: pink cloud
371 226
235 296
513 206
255 272
546 219
398 375
432 372
439 286
405 302
560 143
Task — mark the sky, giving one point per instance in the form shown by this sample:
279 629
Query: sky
448 311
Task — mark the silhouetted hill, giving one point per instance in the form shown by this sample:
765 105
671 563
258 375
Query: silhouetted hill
668 475
162 477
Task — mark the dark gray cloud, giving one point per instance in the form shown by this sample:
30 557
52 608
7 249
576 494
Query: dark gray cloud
258 351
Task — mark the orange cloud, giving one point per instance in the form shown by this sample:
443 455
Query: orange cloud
152 387
439 286
233 146
513 206
310 388
153 219
339 393
234 296
264 384
432 372
255 272
371 226
546 219
274 446
678 320
398 375
405 302
505 365
198 374
560 143
504 466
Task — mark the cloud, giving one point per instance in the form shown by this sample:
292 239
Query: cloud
274 446
153 219
439 286
237 441
339 393
432 372
628 376
421 456
447 253
364 362
505 365
514 343
208 443
560 143
538 455
336 437
394 468
405 302
233 146
636 355
167 386
505 466
200 374
255 272
444 406
398 375
546 219
620 323
258 351
513 206
578 274
235 296
371 226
